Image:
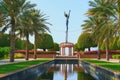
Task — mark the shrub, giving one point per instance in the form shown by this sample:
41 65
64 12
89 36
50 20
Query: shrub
4 51
19 55
116 56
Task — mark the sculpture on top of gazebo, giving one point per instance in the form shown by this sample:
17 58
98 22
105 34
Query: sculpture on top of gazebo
66 44
67 22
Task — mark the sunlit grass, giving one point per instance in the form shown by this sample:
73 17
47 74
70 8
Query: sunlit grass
109 65
17 66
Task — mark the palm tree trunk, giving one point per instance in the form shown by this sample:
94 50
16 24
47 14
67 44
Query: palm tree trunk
12 46
35 46
89 49
27 44
12 42
98 51
107 48
44 49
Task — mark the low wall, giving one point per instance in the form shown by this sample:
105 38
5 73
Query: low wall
100 73
30 73
86 55
43 55
95 55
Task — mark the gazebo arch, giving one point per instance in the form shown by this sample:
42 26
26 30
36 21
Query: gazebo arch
65 45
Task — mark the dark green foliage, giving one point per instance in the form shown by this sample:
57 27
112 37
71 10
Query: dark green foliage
4 51
76 48
45 41
85 40
118 43
21 44
18 44
113 45
102 47
56 47
4 40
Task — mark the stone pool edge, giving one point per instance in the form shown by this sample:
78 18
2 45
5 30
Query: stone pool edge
98 72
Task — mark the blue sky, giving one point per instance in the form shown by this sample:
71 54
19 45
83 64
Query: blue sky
55 10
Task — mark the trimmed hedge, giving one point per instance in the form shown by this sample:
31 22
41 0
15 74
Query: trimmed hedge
4 51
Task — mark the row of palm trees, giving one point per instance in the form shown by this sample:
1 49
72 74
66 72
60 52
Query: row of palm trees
21 18
103 22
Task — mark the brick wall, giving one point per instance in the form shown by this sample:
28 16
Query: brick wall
94 55
43 55
86 55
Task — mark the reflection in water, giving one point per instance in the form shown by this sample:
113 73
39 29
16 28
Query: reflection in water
65 72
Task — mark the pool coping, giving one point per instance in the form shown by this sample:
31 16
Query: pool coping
99 71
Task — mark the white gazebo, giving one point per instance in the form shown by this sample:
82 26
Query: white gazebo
63 47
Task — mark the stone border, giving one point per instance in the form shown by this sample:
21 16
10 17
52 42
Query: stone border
32 71
100 73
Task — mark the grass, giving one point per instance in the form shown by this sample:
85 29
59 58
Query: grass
17 66
109 65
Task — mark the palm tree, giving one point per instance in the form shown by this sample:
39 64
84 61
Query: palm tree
102 8
12 9
32 22
90 26
43 28
116 7
1 19
39 27
25 28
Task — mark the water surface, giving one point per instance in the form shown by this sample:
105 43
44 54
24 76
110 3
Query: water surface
65 72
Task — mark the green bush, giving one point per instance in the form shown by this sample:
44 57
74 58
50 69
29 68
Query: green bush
19 55
4 51
116 56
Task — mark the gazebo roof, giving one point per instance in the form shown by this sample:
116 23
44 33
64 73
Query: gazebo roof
66 44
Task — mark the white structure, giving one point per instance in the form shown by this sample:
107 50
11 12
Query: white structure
63 46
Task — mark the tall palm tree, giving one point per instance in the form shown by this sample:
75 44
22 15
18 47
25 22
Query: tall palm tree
25 28
12 9
90 26
102 8
39 27
43 28
116 7
31 23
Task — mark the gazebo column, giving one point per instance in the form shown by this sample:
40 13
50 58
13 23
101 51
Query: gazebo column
70 51
60 50
63 51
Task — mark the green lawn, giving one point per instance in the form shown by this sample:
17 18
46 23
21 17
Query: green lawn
109 65
17 66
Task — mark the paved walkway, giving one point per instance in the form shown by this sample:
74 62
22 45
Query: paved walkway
6 61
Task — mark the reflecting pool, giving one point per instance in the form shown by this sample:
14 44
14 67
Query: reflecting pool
65 72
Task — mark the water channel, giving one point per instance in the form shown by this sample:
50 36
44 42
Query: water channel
65 72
